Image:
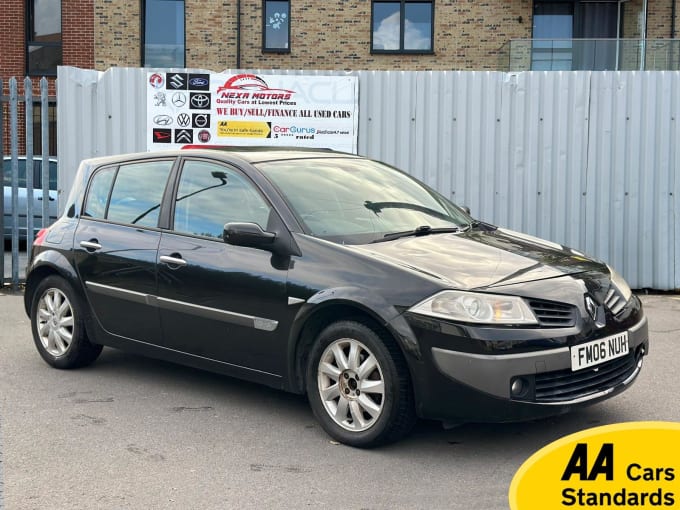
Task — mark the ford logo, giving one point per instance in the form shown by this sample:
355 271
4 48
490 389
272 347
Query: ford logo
198 82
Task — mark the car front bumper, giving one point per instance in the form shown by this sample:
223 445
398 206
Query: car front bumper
475 383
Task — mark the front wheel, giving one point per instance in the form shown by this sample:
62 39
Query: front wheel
58 325
358 385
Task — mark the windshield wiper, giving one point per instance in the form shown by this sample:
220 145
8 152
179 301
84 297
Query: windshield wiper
423 230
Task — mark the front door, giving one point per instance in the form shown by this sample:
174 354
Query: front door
218 301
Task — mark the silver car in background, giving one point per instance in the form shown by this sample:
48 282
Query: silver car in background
22 195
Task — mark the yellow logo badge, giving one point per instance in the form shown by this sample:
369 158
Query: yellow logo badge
627 465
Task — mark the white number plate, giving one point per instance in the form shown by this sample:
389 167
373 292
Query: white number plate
599 351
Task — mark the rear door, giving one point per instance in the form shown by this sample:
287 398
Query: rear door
116 246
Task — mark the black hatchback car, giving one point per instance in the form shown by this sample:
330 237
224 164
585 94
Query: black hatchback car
332 275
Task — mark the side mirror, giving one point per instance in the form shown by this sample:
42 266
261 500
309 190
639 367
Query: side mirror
466 209
250 235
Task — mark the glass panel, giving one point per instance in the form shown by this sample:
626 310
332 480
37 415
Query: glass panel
98 194
7 170
46 21
43 59
277 25
418 26
164 33
386 25
137 193
553 21
211 195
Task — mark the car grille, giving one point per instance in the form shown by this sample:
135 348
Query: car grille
614 301
566 385
553 315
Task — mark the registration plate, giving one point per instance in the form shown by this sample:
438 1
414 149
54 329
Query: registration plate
599 351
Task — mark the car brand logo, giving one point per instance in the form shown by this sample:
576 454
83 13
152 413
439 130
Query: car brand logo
184 135
204 136
156 80
177 81
200 101
201 120
162 135
162 120
199 82
183 119
591 307
179 99
159 99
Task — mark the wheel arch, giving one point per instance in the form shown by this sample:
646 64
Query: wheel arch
43 265
342 304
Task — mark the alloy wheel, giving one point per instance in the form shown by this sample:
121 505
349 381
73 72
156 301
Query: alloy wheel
55 322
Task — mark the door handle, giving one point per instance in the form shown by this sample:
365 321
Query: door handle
91 245
173 261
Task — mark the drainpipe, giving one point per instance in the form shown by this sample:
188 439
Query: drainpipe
238 34
643 45
673 13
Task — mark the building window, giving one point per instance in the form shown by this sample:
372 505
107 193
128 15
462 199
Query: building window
276 26
163 33
43 37
404 26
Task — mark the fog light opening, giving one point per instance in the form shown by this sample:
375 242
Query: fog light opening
518 387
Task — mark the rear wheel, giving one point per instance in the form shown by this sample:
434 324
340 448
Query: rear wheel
58 326
358 385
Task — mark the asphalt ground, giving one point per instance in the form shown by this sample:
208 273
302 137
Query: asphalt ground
131 432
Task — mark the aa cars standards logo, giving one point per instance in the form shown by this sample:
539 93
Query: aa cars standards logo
628 465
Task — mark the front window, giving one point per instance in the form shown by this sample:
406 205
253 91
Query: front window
276 26
355 201
404 26
43 37
164 33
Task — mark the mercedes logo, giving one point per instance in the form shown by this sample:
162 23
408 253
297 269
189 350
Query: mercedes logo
200 100
179 99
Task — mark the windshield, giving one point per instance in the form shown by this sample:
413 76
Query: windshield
357 201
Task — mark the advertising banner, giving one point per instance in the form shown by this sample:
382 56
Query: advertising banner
245 109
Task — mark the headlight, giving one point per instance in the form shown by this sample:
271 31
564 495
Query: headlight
478 308
620 284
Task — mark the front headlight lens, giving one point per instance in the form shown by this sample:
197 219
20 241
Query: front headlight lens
620 284
476 307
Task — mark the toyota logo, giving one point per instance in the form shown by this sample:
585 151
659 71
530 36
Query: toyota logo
179 99
200 100
162 120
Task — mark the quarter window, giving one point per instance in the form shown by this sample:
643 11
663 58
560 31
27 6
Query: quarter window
276 26
43 37
404 26
211 195
136 195
164 33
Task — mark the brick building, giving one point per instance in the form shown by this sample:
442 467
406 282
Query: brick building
38 35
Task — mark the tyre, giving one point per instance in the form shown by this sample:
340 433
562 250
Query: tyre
359 386
58 326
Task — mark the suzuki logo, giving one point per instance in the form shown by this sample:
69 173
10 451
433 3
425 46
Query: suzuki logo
176 81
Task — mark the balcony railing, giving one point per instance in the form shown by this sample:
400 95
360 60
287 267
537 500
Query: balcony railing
590 55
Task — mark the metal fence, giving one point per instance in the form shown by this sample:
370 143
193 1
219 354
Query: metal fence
588 159
18 200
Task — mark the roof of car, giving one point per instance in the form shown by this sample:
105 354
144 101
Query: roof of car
249 154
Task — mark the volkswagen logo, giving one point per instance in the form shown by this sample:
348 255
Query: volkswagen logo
200 101
183 120
179 99
162 120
